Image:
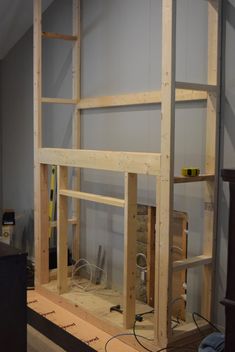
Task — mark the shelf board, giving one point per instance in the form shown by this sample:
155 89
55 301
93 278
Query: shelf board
200 178
196 86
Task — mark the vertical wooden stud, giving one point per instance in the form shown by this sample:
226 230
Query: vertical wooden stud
151 255
41 199
214 28
163 284
62 231
130 215
76 122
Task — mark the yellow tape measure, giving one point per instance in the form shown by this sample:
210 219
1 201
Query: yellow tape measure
190 171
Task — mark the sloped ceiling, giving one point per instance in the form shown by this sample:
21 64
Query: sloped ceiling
16 17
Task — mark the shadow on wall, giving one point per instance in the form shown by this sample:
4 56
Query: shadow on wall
229 124
23 236
230 13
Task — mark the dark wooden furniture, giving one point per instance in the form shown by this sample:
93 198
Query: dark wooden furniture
228 175
13 312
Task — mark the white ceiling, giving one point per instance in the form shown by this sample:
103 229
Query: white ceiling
16 17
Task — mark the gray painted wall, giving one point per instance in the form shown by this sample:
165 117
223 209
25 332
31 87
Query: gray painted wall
121 53
1 134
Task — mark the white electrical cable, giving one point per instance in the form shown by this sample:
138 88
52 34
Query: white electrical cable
78 267
143 256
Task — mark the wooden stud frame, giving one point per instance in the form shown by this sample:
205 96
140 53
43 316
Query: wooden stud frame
76 122
160 165
163 279
41 199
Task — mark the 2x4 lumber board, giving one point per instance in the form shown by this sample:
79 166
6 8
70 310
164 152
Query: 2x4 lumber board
211 159
72 221
62 231
187 334
93 198
41 224
130 226
59 101
51 35
163 285
53 273
76 132
154 97
151 254
41 200
200 178
139 163
191 262
196 86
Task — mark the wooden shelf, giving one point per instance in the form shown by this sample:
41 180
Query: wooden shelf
191 262
188 179
196 86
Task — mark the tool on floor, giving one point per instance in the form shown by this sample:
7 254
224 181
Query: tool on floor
190 171
118 309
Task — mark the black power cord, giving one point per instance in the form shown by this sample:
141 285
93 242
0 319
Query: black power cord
194 314
139 317
161 349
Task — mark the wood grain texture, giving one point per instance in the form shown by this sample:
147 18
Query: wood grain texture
76 128
93 198
62 231
163 284
130 225
41 199
142 98
139 163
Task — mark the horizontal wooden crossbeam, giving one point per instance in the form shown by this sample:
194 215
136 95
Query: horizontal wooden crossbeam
192 262
72 221
196 86
59 101
144 98
188 179
153 97
137 163
93 198
51 35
